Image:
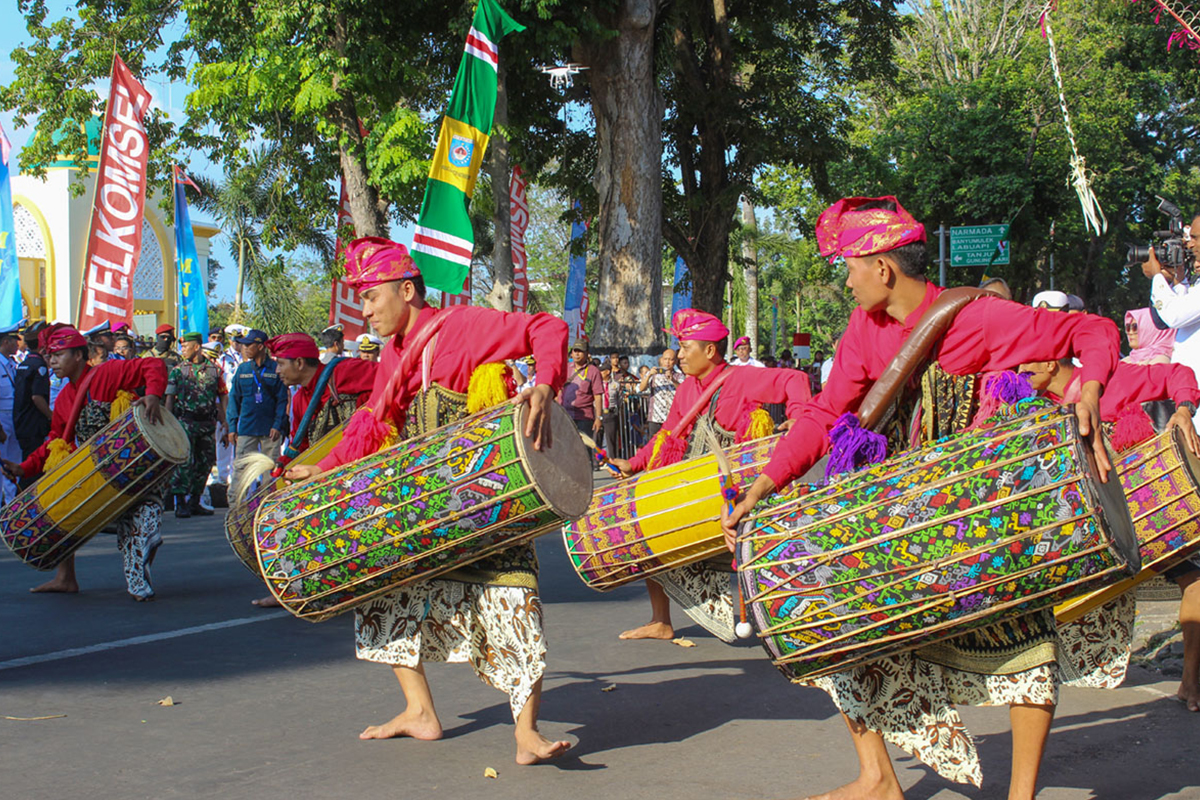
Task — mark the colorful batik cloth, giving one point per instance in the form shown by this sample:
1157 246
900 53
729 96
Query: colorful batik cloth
487 613
910 699
496 629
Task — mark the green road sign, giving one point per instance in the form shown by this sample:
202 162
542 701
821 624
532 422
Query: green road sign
975 245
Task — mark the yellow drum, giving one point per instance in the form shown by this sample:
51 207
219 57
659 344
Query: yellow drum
659 520
239 521
1160 478
102 479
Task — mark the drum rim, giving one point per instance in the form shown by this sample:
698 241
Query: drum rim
530 457
1110 508
148 430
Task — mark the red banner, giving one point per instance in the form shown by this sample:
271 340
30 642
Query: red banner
344 306
463 299
518 212
118 207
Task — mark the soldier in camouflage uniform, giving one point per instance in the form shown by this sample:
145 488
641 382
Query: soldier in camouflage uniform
196 394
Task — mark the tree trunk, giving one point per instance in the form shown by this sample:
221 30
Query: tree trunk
628 111
750 272
501 295
241 280
367 208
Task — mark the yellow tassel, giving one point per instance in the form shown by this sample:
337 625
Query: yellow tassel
393 437
59 451
487 387
120 405
760 425
659 438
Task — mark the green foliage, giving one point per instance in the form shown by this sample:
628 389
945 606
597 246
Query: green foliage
972 140
289 295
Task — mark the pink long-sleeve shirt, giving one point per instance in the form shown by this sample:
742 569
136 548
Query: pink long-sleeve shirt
745 389
472 337
990 334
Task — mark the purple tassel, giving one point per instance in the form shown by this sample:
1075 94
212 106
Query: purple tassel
853 446
1010 387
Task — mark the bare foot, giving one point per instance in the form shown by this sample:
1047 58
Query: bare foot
56 584
651 630
413 725
266 602
1189 694
533 748
863 789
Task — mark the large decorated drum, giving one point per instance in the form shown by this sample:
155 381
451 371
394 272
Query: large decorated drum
420 509
104 477
1160 478
994 523
660 519
239 522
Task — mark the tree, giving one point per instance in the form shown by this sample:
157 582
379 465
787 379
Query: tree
253 198
965 134
753 84
627 107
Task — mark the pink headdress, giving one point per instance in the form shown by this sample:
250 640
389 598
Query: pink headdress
372 260
690 323
857 226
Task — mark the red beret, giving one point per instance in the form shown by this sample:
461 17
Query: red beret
293 345
164 329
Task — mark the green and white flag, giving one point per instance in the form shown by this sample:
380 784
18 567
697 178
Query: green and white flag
443 241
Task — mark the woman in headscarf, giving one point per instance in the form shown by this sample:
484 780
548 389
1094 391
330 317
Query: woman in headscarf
1147 343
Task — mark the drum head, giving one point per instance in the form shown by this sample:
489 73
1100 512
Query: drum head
563 471
166 437
1190 462
1111 502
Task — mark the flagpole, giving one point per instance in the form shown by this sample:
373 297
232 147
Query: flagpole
112 75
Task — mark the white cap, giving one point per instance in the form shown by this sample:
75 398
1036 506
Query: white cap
1055 301
368 338
236 329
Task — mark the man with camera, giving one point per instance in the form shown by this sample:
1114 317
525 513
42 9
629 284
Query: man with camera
1178 305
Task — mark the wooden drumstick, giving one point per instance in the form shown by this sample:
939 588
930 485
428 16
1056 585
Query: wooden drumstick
729 494
601 455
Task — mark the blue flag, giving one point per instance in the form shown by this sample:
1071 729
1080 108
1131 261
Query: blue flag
10 269
683 297
193 302
573 311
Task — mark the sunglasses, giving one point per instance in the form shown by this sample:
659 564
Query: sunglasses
1131 326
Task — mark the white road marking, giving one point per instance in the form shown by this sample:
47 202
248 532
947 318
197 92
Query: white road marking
58 655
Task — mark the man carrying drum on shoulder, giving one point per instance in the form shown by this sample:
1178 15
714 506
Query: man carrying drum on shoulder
885 254
735 414
488 613
343 385
109 390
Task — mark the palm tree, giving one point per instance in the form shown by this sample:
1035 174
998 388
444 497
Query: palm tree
252 205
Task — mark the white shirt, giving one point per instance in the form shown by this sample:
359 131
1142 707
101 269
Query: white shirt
749 362
1180 309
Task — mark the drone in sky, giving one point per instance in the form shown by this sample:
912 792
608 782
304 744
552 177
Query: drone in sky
563 76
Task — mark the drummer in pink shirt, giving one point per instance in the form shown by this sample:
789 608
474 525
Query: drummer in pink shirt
488 614
733 408
884 250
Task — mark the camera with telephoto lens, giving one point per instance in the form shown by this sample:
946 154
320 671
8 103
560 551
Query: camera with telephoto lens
1169 245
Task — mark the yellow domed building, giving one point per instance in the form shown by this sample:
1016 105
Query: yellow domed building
52 235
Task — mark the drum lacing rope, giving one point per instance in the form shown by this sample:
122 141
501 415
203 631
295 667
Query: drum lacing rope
1080 177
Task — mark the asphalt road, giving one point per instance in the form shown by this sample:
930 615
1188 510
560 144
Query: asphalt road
268 706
